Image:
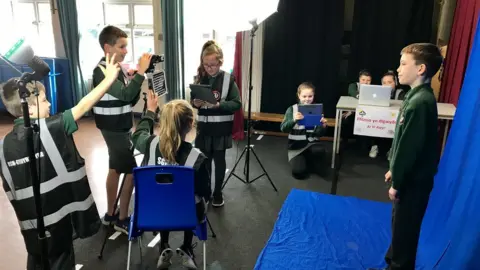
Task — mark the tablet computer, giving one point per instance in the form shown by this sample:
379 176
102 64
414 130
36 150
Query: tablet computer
202 92
312 114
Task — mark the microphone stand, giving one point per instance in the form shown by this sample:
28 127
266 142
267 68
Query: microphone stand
249 148
24 93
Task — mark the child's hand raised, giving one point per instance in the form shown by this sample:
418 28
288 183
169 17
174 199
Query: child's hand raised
144 63
324 122
298 116
112 68
152 101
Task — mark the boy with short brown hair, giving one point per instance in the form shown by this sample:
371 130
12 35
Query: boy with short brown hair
414 155
114 117
68 205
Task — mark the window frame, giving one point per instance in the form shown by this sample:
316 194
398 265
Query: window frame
131 26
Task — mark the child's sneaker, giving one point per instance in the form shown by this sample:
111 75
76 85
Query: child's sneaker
108 220
122 225
164 260
188 258
373 151
218 201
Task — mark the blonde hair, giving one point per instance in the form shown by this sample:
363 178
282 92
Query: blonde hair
11 99
176 118
210 47
305 85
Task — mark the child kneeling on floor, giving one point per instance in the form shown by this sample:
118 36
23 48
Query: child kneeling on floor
170 148
305 154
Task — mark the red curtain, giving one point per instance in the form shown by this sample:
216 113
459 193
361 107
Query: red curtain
458 51
237 132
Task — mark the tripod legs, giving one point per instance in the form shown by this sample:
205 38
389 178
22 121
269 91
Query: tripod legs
100 256
214 235
232 173
265 171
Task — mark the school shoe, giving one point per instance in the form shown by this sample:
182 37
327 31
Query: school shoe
108 220
165 258
218 201
188 258
373 151
122 225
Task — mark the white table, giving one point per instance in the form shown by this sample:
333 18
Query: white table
349 104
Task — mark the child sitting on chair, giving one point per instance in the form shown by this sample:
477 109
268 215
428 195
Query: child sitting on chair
170 148
304 155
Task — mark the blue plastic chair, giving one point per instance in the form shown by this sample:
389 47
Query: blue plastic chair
165 200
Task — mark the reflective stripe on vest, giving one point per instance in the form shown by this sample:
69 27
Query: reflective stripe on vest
11 195
225 86
63 176
153 147
60 214
113 110
215 118
189 162
107 97
297 128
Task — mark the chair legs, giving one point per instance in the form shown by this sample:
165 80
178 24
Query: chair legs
204 255
130 251
129 254
210 226
140 249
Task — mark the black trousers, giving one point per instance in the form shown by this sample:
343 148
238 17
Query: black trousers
407 216
312 160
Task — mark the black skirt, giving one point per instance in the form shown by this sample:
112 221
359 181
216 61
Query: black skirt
213 143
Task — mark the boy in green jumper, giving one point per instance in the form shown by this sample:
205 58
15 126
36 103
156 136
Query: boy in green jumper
414 155
68 206
114 117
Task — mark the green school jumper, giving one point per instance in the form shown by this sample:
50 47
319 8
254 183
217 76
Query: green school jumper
299 139
414 155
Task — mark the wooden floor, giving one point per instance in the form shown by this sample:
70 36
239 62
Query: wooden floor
92 148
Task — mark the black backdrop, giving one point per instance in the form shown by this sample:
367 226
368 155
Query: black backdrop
302 42
382 28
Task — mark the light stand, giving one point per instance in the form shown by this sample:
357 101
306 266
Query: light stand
249 148
29 129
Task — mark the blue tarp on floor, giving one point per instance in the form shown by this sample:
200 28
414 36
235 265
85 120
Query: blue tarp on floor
318 231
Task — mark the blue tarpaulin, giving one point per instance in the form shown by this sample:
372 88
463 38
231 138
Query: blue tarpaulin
319 231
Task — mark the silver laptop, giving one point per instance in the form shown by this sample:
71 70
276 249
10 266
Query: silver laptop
374 95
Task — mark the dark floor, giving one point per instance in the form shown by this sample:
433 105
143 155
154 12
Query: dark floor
242 226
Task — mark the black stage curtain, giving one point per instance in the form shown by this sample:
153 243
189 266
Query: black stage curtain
302 42
382 28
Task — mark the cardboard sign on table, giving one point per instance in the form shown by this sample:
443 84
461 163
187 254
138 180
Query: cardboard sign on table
375 121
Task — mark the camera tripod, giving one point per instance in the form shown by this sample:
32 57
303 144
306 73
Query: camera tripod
249 148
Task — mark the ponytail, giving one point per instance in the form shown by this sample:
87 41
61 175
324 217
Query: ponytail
176 120
210 47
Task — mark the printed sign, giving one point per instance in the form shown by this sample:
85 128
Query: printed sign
375 121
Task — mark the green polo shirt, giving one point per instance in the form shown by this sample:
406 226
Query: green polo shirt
414 156
69 123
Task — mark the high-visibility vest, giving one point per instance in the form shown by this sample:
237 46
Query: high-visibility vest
68 206
217 122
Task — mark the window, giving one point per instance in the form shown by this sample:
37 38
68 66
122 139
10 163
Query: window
197 31
136 19
33 19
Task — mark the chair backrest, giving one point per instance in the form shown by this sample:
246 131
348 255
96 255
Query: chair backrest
164 198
